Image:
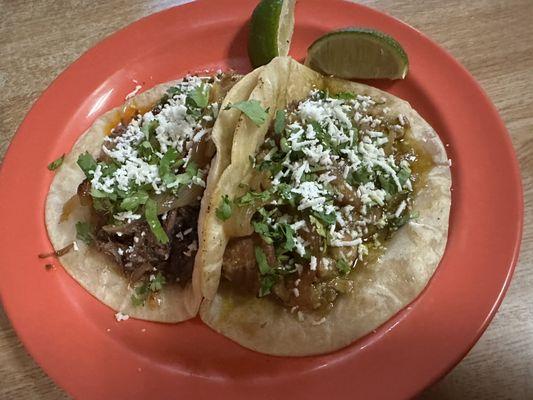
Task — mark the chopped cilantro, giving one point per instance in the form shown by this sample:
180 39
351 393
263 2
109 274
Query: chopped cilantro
174 90
387 184
318 226
262 229
146 151
103 204
288 233
285 191
404 174
148 128
328 219
398 222
100 194
254 197
157 283
262 262
192 168
284 145
279 122
167 162
138 298
343 266
199 96
56 164
252 109
267 282
150 213
344 96
183 179
132 202
84 232
87 164
361 176
224 211
149 287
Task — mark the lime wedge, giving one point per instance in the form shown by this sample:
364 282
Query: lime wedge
270 31
358 53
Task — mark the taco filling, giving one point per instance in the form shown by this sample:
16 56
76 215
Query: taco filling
144 188
334 179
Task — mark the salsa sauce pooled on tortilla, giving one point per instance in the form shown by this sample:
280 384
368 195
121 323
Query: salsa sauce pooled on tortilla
335 179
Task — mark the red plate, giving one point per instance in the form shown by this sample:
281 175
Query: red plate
76 339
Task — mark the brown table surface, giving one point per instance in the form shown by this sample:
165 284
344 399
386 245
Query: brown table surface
493 39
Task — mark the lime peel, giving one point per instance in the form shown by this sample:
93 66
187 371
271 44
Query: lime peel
358 53
271 29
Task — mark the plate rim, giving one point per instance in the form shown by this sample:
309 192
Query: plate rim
202 3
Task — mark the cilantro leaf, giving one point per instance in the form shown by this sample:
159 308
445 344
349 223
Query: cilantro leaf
223 212
327 219
157 283
279 122
404 218
343 266
267 282
199 96
174 90
103 204
143 292
404 174
148 128
387 184
84 232
168 160
252 109
360 176
183 179
285 191
254 197
284 145
262 229
137 300
56 164
262 262
99 194
192 168
288 232
146 150
132 202
345 96
150 212
87 164
318 226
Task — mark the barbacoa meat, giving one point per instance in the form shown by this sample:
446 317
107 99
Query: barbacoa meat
137 251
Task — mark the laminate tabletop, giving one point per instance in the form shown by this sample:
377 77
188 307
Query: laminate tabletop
493 39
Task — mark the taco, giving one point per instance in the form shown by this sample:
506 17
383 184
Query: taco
331 217
126 199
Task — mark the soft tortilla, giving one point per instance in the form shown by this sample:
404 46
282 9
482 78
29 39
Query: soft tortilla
97 272
380 290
